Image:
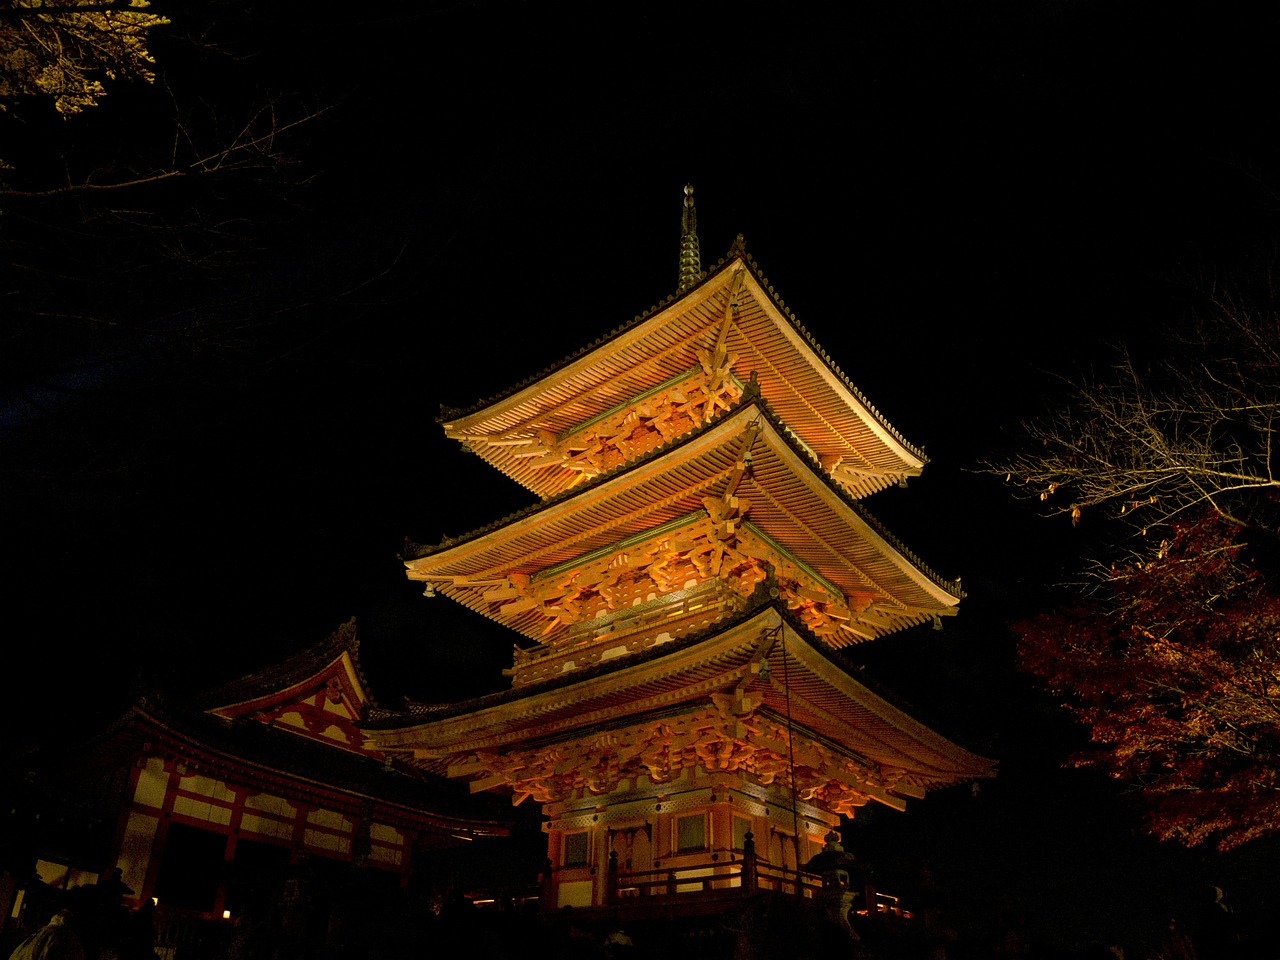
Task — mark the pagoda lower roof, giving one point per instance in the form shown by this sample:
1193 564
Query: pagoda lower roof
739 485
729 327
756 682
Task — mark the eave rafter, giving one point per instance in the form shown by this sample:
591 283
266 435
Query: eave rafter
848 462
712 739
728 702
526 409
716 543
569 582
636 426
672 370
543 557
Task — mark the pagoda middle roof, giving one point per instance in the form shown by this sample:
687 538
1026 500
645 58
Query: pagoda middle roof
790 501
734 309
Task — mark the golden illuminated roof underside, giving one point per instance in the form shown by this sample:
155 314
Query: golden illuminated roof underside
715 704
672 370
703 520
698 555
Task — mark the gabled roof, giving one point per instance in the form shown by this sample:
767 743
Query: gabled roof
290 730
787 513
342 645
728 326
741 681
319 693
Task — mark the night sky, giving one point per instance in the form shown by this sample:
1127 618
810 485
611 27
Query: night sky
961 201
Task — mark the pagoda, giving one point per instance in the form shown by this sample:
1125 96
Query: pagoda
678 596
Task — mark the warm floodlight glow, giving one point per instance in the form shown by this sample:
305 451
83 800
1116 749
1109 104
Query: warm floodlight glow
226 914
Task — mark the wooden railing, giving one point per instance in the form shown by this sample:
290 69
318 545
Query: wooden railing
714 878
747 875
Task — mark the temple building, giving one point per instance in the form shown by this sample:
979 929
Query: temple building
677 599
257 793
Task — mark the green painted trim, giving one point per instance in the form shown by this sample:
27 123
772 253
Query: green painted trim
808 570
638 398
687 520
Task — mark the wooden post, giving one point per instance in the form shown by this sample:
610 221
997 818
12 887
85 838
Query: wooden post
611 880
795 844
548 903
750 879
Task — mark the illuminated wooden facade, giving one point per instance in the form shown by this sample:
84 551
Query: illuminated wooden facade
698 555
268 771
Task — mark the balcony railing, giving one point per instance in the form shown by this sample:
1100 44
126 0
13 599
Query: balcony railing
709 876
717 880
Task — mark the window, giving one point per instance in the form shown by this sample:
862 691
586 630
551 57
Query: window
575 849
691 833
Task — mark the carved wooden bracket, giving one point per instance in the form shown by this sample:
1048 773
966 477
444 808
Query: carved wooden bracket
716 544
705 740
641 426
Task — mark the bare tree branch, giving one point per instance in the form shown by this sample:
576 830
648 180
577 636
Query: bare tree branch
1150 443
253 147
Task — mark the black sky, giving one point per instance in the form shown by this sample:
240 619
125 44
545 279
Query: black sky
959 200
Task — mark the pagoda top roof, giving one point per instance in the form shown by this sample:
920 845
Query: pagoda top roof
790 502
712 670
729 325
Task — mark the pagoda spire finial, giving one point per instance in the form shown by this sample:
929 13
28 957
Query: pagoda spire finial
690 253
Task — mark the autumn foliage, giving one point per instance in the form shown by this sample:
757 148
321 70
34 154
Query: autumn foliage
1173 665
63 50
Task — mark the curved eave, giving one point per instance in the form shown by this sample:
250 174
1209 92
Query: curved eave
284 679
796 505
799 380
307 770
811 399
834 700
825 701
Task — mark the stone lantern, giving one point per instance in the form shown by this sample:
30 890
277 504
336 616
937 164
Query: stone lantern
844 880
